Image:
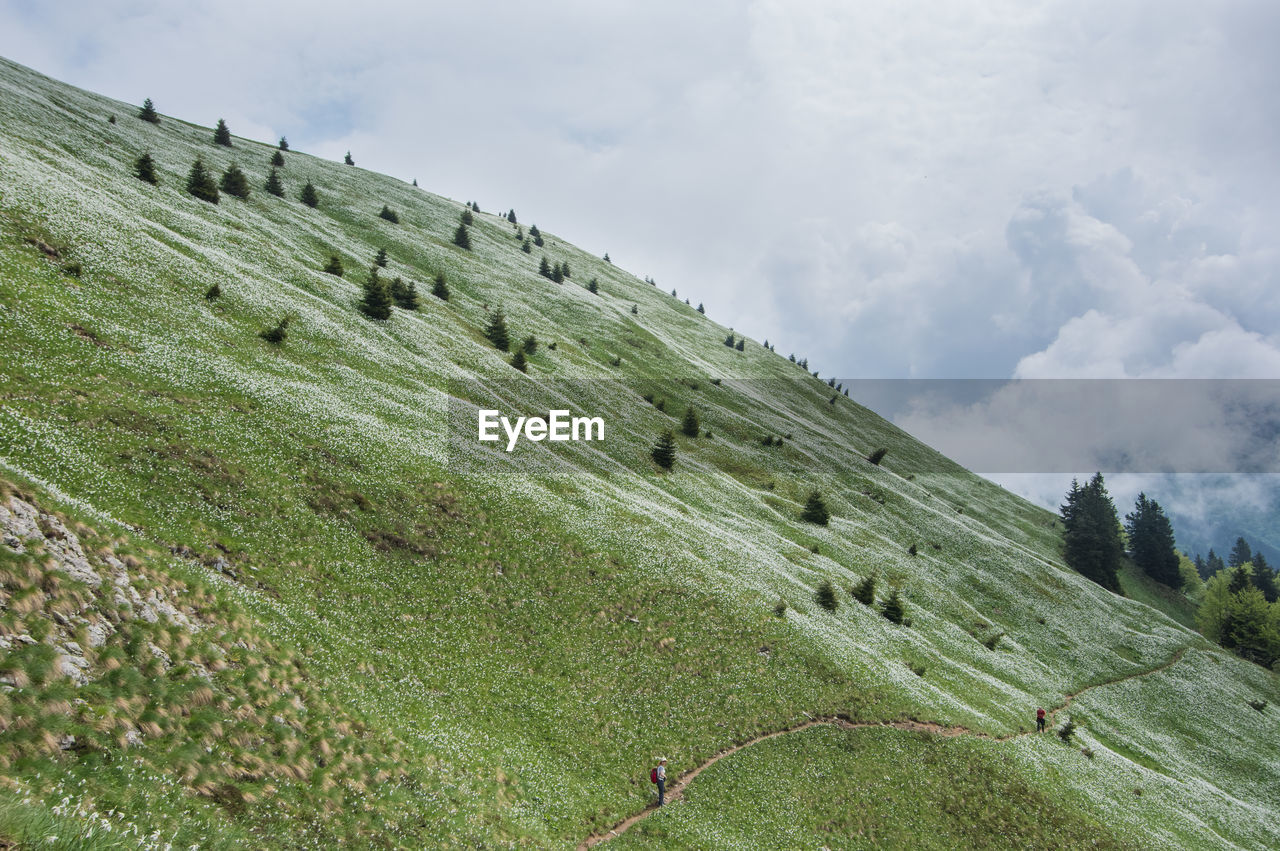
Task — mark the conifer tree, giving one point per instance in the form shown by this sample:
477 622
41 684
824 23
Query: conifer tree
277 159
877 456
1214 563
234 182
380 259
145 169
593 287
334 266
690 426
276 335
200 183
347 159
389 214
892 608
274 185
730 341
534 232
1240 553
519 234
1151 544
701 309
467 218
825 596
635 308
405 296
530 344
664 451
815 510
742 344
148 112
376 303
526 247
518 360
496 331
461 238
564 269
557 273
213 293
511 216
440 289
865 591
606 258
1092 539
284 144
1264 578
309 196
544 268
222 134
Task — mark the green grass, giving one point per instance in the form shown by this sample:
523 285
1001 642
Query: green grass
514 637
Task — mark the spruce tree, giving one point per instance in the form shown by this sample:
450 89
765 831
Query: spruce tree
148 112
380 260
526 247
1151 544
334 266
277 159
347 159
689 426
593 287
701 309
518 360
200 183
730 341
376 303
664 451
234 182
1240 553
530 344
511 216
461 238
440 289
635 309
389 214
1092 539
1214 562
564 268
1264 577
467 218
877 456
825 596
606 258
815 510
309 196
274 185
544 268
405 296
557 273
892 608
742 344
145 169
865 591
284 144
496 331
213 293
222 134
277 334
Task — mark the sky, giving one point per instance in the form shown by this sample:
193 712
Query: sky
890 189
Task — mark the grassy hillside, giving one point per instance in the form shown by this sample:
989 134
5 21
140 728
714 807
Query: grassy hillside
504 642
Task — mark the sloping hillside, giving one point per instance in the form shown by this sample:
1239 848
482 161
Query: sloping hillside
506 641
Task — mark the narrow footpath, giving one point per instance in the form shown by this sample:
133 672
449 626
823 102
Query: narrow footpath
677 786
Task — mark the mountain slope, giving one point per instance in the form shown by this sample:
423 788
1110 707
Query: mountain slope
528 630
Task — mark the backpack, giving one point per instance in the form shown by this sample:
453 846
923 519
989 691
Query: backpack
653 775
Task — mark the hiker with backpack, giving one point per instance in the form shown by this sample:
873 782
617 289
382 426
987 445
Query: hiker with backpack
658 775
1039 720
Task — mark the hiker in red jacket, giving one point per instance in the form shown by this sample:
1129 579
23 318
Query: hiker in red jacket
1039 720
659 775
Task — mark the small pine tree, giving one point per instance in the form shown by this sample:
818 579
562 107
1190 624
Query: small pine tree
213 293
277 159
878 456
222 134
865 591
148 112
519 234
664 451
496 331
701 309
557 273
389 214
511 216
1067 730
730 341
415 181
381 259
145 169
606 258
538 240
690 426
892 608
111 119
825 596
518 361
334 266
815 510
911 550
440 289
347 159
467 218
544 268
461 238
534 232
405 296
742 344
526 247
635 309
200 183
274 185
593 286
309 196
530 344
564 267
284 144
376 303
276 335
234 182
